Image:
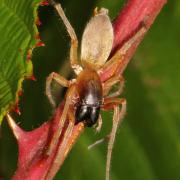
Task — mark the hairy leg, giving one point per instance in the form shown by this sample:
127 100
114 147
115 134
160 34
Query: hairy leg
113 64
60 156
112 81
60 125
74 42
117 119
97 130
60 80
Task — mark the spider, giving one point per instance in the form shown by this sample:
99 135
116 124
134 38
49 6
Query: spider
88 94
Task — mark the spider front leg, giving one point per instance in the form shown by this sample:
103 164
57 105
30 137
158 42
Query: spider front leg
74 42
61 151
60 80
59 127
114 103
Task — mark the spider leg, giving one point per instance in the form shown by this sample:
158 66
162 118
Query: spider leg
97 130
61 154
117 119
60 80
112 65
66 135
112 81
60 125
98 142
74 42
99 124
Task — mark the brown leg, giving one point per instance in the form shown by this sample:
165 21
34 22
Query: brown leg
66 135
112 64
74 42
112 81
59 158
117 119
60 125
60 80
97 130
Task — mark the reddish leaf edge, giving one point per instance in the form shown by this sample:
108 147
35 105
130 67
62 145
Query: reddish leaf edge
33 162
13 105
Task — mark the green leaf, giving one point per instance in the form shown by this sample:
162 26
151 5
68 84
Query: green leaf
18 32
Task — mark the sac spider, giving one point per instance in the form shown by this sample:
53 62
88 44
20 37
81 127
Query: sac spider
87 94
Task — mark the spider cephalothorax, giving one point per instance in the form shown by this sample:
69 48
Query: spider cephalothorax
90 97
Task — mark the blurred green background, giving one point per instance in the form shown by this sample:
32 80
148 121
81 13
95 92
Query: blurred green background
148 143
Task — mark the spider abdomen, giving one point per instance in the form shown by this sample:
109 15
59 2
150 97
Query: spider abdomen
90 95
